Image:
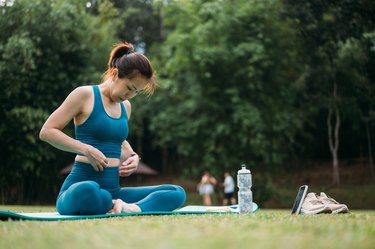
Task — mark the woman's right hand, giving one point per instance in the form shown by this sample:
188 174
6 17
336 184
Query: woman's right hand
96 158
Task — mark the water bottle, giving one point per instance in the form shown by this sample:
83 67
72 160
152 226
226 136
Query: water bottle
245 196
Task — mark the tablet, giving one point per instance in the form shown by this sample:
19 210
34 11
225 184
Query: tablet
299 199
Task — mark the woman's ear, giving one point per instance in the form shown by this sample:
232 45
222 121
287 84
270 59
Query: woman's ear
114 73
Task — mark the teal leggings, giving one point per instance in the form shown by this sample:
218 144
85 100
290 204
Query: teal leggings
88 192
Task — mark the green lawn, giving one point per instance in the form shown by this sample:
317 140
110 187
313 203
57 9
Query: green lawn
274 229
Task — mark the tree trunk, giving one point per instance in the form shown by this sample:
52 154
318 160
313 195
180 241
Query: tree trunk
333 139
370 152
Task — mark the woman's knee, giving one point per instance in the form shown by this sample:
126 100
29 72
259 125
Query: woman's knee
83 186
180 195
85 198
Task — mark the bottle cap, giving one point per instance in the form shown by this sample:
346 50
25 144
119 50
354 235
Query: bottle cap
244 170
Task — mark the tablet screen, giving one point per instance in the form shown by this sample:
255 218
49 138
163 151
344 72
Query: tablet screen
299 199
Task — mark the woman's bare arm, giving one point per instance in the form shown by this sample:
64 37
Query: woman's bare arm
52 133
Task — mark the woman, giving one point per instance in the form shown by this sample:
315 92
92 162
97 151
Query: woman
206 187
101 115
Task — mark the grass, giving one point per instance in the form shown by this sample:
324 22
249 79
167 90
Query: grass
264 229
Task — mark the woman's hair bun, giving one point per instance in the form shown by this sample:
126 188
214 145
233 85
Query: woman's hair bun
120 50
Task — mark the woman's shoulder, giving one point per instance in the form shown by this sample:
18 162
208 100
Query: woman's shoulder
80 95
128 107
82 92
83 89
127 104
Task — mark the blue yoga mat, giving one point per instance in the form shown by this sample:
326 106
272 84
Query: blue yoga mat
50 216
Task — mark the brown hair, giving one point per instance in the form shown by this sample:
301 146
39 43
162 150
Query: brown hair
130 64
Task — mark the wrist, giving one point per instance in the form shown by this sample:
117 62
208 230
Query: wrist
86 149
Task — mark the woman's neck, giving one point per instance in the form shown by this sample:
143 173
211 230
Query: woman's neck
105 89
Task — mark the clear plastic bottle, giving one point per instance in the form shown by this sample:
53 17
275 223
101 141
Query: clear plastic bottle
245 195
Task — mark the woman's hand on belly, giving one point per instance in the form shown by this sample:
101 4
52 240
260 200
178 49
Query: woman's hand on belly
129 166
96 158
111 162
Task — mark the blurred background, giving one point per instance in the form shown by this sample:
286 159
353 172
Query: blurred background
285 86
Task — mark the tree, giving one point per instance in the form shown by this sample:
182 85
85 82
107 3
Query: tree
141 23
356 60
326 26
229 85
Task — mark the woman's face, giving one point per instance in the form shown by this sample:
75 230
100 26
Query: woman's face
125 88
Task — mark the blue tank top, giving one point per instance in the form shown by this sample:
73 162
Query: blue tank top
103 131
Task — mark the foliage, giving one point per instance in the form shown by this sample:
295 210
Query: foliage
333 33
102 32
228 97
141 23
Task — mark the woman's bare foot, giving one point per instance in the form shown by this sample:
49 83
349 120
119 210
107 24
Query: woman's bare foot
130 208
122 207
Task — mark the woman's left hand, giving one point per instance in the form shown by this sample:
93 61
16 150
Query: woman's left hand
129 166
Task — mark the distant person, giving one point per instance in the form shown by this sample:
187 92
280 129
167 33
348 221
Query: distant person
206 187
228 186
101 113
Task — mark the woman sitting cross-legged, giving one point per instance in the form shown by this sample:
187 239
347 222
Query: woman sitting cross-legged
100 114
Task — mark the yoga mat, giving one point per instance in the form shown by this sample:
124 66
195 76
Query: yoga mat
51 216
